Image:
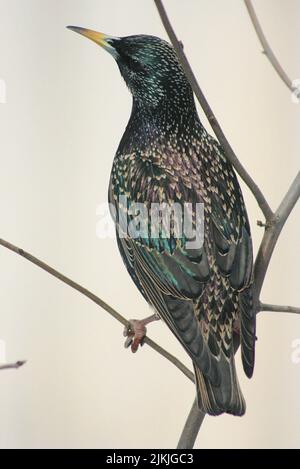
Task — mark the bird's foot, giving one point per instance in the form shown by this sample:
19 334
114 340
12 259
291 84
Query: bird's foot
136 332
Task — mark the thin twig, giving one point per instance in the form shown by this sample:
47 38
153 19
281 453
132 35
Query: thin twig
279 308
230 154
266 47
16 365
98 301
170 357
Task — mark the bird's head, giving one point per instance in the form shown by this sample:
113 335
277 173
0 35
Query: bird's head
149 66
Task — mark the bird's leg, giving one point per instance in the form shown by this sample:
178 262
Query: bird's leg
136 331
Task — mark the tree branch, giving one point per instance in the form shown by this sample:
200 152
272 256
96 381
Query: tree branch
272 233
42 265
266 47
191 427
279 308
15 365
230 154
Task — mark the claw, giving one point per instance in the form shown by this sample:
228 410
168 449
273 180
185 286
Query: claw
142 342
128 342
135 332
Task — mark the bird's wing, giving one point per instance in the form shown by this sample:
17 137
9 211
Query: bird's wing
232 243
169 282
231 237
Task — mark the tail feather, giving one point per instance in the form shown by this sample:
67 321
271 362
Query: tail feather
227 397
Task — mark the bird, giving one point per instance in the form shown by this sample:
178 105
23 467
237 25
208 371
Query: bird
202 291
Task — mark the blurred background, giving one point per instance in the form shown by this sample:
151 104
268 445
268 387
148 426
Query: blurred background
64 112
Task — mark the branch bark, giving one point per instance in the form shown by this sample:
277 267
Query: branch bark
191 427
15 365
267 48
279 308
271 235
42 265
230 154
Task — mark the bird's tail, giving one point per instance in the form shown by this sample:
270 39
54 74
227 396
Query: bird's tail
227 397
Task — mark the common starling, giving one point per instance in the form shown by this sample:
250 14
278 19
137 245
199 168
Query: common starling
203 293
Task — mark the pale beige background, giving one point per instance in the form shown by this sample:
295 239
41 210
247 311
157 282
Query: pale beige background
65 113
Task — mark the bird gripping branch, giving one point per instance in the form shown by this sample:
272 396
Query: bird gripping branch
166 158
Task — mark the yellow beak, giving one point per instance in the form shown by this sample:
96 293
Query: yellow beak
99 38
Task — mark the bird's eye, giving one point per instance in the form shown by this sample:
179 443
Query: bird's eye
134 64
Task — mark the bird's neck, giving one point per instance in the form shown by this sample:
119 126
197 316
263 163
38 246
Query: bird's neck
148 124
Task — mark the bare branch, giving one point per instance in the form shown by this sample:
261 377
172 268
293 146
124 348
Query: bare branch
266 46
272 233
279 308
196 416
42 265
191 427
170 357
16 365
230 154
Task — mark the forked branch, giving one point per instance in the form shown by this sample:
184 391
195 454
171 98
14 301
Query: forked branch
272 233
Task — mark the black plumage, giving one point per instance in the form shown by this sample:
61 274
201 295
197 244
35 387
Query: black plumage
166 156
